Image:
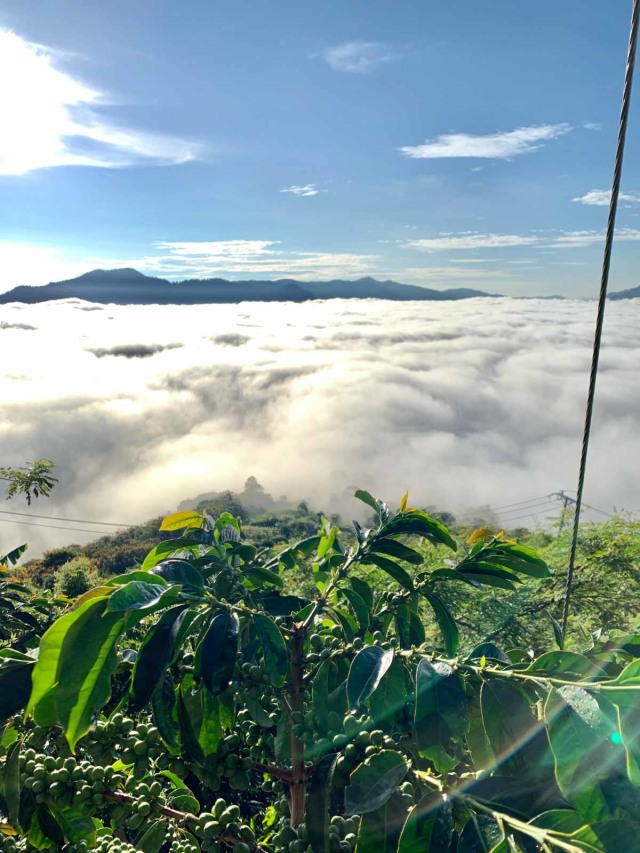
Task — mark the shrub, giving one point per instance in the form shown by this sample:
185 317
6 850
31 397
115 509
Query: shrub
76 577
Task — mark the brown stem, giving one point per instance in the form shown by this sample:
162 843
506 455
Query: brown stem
174 814
297 785
279 772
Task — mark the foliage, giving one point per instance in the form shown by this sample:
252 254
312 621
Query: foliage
76 577
196 704
605 593
32 480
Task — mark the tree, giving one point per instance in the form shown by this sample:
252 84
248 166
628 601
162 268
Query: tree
196 703
30 480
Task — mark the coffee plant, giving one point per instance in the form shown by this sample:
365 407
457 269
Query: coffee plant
197 704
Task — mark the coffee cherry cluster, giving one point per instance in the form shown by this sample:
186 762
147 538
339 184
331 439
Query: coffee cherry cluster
67 780
8 844
141 745
110 844
105 734
223 821
342 835
148 799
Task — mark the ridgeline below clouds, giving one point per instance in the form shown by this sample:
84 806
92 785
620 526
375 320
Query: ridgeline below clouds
130 287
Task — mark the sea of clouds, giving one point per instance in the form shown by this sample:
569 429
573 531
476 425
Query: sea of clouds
462 403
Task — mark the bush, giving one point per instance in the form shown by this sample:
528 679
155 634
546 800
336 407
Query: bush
201 706
76 577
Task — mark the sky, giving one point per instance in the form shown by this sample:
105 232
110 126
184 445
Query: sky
463 404
440 144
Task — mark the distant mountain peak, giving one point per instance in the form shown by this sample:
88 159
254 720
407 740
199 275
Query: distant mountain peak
127 286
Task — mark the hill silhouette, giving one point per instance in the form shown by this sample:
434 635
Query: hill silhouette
130 287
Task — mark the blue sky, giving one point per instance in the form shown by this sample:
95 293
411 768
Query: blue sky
443 144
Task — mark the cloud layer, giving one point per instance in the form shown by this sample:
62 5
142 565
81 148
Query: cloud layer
493 146
359 57
461 403
51 118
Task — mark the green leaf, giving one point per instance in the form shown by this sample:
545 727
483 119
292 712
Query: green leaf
613 835
273 648
74 823
154 837
317 804
165 712
363 589
260 576
446 623
580 737
320 695
490 576
417 523
429 826
170 546
146 577
566 664
216 655
154 656
409 627
491 652
182 520
518 557
440 706
395 571
370 501
12 785
360 609
283 605
517 739
15 687
12 557
366 672
380 829
199 715
82 646
393 548
479 835
179 571
388 700
374 781
136 595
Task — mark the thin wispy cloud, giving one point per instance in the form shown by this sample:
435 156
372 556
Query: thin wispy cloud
498 146
360 57
470 241
602 198
466 240
301 190
592 125
247 259
51 118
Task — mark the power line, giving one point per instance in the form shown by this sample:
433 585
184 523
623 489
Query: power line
56 527
602 300
518 503
60 518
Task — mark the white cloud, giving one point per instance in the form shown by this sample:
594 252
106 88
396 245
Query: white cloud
441 398
581 239
501 146
466 240
602 198
51 118
301 190
359 57
592 125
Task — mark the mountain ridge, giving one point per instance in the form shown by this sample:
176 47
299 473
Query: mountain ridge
127 286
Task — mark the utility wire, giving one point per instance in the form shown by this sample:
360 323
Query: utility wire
56 527
60 518
604 283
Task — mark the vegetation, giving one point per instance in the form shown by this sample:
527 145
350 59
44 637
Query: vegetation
198 703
